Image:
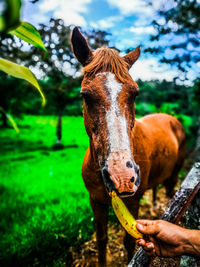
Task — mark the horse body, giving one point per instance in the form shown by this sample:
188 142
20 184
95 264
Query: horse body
125 154
159 142
159 146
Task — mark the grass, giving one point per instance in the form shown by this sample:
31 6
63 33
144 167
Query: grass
44 205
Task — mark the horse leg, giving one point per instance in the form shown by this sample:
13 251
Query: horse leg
154 195
129 241
172 180
101 218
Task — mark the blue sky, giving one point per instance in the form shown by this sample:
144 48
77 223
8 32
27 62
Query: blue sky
128 21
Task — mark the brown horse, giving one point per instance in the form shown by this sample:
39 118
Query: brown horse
125 154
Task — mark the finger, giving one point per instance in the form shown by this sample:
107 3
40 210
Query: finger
147 228
141 242
149 246
157 247
146 222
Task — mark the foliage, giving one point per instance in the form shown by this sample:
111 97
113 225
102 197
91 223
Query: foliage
10 17
10 22
60 70
29 34
21 72
168 97
11 120
181 25
96 38
178 100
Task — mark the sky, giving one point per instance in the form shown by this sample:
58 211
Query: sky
128 21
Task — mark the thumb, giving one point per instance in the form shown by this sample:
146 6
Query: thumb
147 227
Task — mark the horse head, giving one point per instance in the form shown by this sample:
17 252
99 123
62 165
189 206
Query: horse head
109 93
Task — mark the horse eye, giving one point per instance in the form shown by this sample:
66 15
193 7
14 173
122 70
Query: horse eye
137 93
88 98
85 95
132 96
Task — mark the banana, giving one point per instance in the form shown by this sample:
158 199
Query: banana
124 216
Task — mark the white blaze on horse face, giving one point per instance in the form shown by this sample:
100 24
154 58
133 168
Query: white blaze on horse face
116 122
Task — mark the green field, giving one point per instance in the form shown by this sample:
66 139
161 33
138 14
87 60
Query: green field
44 205
43 202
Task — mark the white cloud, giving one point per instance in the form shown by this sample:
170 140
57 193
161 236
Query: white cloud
150 69
106 23
128 7
71 11
142 30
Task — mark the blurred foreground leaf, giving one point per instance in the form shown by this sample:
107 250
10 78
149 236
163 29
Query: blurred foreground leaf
21 72
29 34
11 120
10 17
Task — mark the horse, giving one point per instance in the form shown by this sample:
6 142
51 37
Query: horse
125 154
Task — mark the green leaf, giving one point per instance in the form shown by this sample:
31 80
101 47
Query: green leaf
21 72
29 34
11 14
11 120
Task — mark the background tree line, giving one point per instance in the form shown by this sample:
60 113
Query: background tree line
60 73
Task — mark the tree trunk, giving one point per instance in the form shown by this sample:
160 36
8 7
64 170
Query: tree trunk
193 213
59 129
197 148
180 202
58 144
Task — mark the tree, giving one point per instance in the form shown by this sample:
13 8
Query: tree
60 71
181 21
179 27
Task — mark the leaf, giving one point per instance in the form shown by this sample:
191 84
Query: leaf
21 72
11 14
29 34
11 120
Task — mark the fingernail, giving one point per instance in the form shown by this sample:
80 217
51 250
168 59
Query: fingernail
149 246
140 226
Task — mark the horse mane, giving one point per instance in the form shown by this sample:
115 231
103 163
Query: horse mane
107 60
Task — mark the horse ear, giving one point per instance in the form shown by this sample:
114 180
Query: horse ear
132 56
80 47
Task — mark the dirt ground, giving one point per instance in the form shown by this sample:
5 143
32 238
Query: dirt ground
116 253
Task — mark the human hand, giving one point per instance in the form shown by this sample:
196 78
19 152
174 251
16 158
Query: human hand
165 239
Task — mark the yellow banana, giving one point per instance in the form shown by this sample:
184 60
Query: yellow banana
124 216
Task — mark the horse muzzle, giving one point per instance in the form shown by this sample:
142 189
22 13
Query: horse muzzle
121 176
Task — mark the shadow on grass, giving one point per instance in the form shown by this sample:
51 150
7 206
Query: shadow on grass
25 146
47 247
44 250
43 243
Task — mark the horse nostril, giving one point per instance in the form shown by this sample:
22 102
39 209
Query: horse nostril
106 173
132 179
137 169
107 180
129 164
